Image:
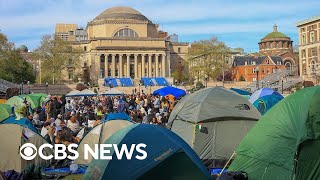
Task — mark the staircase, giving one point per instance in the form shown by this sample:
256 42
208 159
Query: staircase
274 81
4 85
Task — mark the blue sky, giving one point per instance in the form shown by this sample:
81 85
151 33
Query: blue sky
238 23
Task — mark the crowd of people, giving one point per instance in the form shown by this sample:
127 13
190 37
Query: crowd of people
60 119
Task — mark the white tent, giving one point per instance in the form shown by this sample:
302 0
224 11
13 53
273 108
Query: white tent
73 93
86 92
113 92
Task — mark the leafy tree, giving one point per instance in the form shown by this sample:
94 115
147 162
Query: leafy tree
56 55
210 56
13 67
242 78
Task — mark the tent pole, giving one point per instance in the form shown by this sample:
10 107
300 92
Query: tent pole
234 153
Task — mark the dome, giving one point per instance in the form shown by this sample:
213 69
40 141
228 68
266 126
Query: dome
121 13
275 34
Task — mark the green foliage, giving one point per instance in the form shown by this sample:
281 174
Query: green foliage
199 85
95 90
56 55
13 67
210 56
242 78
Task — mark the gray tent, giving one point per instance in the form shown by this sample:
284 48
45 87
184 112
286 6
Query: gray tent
98 135
213 121
12 137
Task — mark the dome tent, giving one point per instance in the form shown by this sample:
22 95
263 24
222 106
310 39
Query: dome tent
38 99
176 92
213 121
285 142
264 99
15 133
168 157
101 133
5 111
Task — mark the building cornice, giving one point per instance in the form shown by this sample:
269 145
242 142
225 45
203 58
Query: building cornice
130 48
301 23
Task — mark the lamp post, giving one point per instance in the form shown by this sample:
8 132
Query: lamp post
257 71
282 86
22 91
206 80
46 87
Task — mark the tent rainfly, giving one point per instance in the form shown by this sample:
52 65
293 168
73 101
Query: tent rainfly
176 92
213 122
284 144
112 92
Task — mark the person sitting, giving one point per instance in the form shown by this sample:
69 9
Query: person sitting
45 129
73 124
50 135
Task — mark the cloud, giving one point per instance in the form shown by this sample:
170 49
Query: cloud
185 17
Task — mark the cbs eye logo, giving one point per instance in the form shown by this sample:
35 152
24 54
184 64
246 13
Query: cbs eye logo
28 151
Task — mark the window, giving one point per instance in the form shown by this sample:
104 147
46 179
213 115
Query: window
303 53
268 62
277 45
70 75
262 70
179 50
268 71
85 48
245 71
303 39
253 63
312 36
313 52
271 46
246 63
254 79
126 32
253 70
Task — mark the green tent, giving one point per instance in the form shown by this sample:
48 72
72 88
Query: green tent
285 142
38 99
15 101
29 99
5 111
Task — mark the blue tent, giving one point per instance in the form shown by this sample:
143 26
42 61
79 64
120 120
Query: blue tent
240 91
264 99
23 122
117 116
168 157
176 92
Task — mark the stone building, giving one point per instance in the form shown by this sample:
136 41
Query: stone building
122 42
278 44
309 48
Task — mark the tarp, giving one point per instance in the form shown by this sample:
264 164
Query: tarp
176 92
264 99
5 111
98 135
286 135
116 116
86 92
213 122
168 157
240 91
73 93
112 92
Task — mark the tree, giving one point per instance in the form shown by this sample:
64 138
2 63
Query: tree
13 67
209 57
242 78
56 55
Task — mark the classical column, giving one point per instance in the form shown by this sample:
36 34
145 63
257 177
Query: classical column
157 66
113 65
150 65
128 65
136 66
106 67
143 66
163 66
120 66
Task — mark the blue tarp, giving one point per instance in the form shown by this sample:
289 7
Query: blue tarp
162 145
117 116
176 92
240 91
264 99
23 122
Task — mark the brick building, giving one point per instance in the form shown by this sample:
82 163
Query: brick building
247 67
278 44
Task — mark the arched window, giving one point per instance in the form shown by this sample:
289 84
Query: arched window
126 32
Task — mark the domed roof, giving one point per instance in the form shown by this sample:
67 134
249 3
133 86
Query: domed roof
120 13
275 34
